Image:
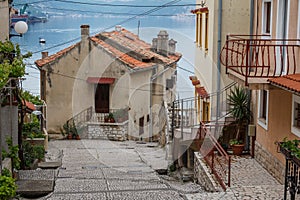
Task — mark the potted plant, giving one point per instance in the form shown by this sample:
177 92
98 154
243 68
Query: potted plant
111 118
238 101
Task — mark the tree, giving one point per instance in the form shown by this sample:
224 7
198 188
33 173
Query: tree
12 67
11 62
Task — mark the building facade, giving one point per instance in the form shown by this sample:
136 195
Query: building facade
214 20
267 62
110 71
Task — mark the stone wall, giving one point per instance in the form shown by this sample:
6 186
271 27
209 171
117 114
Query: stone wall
111 131
269 162
203 176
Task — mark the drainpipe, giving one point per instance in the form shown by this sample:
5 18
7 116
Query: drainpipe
219 62
253 138
153 77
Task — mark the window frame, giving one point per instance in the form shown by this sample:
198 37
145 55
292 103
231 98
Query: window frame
264 15
263 122
295 130
206 31
298 31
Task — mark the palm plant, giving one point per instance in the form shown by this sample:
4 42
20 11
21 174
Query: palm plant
238 101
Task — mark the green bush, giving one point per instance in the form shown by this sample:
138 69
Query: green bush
13 153
7 187
32 152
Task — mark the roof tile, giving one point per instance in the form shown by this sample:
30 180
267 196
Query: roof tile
289 82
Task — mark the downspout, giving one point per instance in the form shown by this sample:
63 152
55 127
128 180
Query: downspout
249 91
219 62
153 77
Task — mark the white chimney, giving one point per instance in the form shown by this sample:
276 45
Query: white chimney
162 42
85 31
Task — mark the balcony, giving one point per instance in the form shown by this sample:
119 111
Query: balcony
251 59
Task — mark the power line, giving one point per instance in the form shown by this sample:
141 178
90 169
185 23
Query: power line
112 5
118 13
120 23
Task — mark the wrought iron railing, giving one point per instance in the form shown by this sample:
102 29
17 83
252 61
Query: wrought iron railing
83 116
253 56
292 174
189 112
215 156
118 115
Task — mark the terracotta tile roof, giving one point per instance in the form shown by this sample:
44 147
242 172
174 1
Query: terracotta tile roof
129 48
29 105
49 59
123 45
289 82
201 92
101 80
132 62
199 10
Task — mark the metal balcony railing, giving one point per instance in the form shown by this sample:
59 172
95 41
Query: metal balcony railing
253 56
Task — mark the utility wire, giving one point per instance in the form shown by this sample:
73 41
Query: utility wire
119 23
110 4
118 13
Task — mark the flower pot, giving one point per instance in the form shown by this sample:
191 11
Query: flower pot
237 149
69 136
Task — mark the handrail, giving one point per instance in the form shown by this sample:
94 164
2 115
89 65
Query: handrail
215 156
252 57
81 117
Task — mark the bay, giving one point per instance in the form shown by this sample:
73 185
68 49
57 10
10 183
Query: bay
63 29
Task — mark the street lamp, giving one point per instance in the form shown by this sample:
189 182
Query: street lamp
21 28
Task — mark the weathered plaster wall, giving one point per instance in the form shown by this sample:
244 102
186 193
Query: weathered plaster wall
8 125
139 102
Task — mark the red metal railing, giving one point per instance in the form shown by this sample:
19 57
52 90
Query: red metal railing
215 156
252 56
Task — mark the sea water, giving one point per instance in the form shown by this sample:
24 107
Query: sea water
63 29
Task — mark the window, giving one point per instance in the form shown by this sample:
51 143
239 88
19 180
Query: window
267 17
296 115
263 102
141 125
199 29
298 20
206 30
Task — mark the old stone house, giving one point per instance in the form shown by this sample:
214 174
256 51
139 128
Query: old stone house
108 72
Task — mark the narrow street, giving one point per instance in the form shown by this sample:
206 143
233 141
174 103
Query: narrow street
102 169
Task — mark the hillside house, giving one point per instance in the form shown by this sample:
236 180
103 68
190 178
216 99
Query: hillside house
108 72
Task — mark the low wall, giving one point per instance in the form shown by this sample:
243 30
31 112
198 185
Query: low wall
6 163
111 131
203 176
269 162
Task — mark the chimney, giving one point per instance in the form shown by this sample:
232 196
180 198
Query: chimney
118 28
154 44
85 31
172 46
162 43
44 54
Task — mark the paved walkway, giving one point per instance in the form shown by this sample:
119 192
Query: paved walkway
101 169
249 181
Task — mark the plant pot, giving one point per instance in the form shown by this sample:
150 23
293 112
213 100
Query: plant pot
77 137
237 149
69 136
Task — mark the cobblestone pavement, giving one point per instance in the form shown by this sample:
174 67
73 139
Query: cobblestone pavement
101 169
249 181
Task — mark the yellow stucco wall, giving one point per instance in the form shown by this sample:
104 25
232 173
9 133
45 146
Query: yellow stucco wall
279 122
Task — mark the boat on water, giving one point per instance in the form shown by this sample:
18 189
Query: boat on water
14 18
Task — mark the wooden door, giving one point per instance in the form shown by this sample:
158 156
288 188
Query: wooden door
102 98
205 114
